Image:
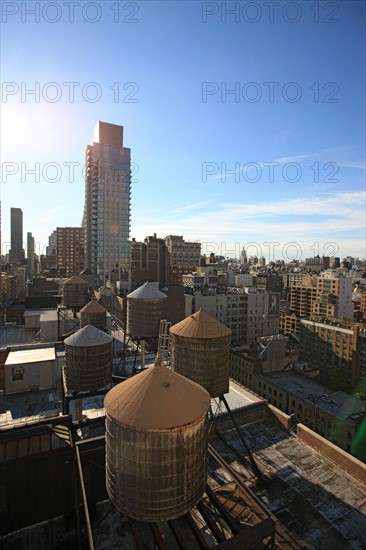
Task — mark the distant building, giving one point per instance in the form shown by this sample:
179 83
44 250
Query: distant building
335 348
311 295
250 314
205 282
31 257
147 261
70 250
315 264
16 253
181 257
363 303
262 314
269 281
333 297
52 244
243 257
9 287
244 279
48 261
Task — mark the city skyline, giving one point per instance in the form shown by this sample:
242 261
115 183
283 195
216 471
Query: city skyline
248 131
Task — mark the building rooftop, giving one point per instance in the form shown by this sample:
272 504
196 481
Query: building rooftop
308 501
337 403
24 356
318 503
32 312
48 315
15 335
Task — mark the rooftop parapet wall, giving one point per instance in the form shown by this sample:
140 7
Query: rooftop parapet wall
346 461
275 415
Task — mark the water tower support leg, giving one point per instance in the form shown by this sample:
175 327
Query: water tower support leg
251 458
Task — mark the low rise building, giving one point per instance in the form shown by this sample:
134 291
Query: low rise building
334 415
30 369
335 348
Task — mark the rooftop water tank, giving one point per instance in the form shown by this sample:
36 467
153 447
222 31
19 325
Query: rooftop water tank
93 314
146 307
199 349
156 444
88 359
75 292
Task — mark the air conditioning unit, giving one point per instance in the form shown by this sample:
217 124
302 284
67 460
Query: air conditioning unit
18 370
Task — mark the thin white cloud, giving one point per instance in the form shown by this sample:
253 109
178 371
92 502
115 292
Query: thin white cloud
295 158
337 218
189 207
352 164
331 158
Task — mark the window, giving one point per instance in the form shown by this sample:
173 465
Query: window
17 373
349 436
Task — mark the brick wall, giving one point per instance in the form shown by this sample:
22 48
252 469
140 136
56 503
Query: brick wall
346 461
275 415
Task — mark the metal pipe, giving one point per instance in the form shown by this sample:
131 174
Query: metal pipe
85 502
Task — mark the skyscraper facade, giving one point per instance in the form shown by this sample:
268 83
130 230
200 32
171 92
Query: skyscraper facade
31 257
16 236
106 219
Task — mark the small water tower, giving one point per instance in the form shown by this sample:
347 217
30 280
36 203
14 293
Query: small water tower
75 292
146 307
88 359
199 349
93 314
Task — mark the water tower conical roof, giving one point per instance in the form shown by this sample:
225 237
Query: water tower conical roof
93 307
157 398
88 336
200 325
75 280
147 291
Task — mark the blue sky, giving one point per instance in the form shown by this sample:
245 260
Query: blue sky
281 160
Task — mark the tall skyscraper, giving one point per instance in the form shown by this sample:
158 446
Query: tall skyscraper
16 253
31 257
106 219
